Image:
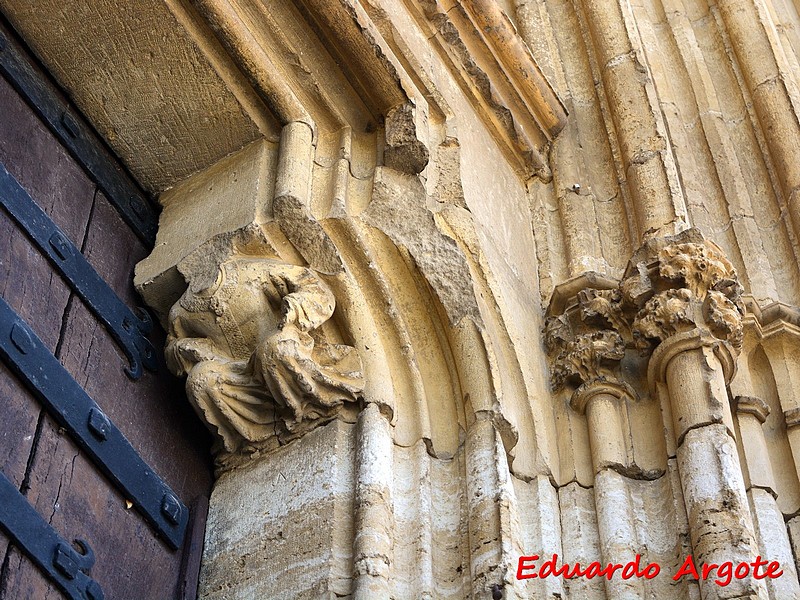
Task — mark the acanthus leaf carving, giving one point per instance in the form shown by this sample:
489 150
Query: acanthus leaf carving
606 304
702 267
673 285
681 286
589 357
662 316
557 333
256 361
586 341
724 318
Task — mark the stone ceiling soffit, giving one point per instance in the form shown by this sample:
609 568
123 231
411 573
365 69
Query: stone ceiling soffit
152 79
499 75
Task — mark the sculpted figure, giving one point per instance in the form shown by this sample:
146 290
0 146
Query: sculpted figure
256 364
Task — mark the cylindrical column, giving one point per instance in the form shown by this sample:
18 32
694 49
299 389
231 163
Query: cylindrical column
772 88
687 297
696 367
792 417
582 350
490 499
644 145
605 405
374 518
770 529
606 430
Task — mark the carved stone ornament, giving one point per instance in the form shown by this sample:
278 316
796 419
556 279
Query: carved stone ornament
665 314
604 304
689 285
588 357
586 341
701 267
672 286
256 362
752 405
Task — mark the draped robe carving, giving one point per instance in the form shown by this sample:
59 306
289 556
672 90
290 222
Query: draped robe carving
256 363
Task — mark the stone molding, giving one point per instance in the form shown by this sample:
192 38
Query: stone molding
792 417
586 392
683 342
485 53
752 405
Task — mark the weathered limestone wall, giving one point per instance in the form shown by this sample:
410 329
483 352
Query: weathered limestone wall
252 546
469 280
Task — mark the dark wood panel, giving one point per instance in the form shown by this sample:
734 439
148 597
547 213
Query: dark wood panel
60 188
152 413
42 166
44 169
20 415
68 491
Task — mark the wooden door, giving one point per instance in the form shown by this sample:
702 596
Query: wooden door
39 457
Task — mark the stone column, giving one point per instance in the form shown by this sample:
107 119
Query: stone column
584 352
605 405
767 75
770 529
374 507
780 340
490 504
644 147
689 313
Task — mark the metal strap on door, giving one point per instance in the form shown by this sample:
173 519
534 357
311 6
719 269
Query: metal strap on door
128 330
92 430
64 565
36 366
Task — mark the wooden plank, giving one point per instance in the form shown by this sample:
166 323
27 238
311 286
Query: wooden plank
36 160
152 413
17 435
43 167
68 491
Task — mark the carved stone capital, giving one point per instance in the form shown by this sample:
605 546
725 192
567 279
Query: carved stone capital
681 283
604 308
699 267
664 315
584 332
249 341
588 357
